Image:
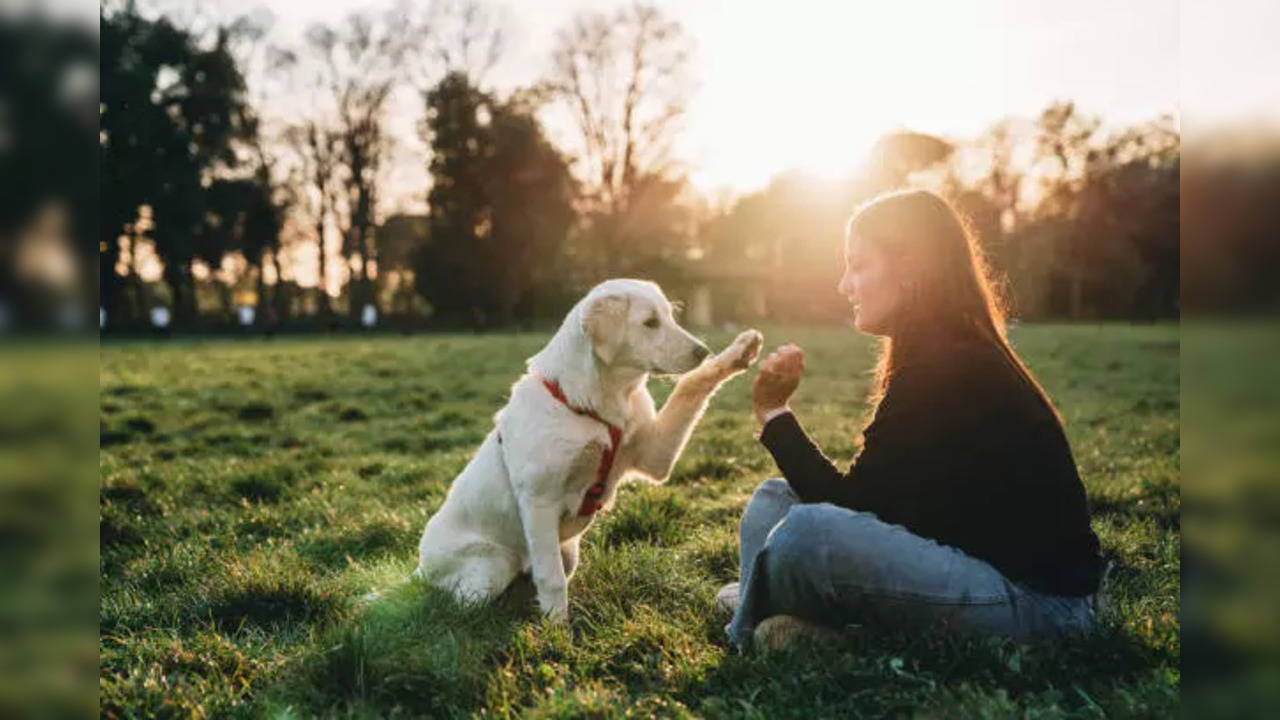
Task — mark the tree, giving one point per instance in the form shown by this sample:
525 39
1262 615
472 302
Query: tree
360 65
501 206
209 98
133 51
450 272
263 220
171 112
1063 141
268 197
897 155
622 79
461 36
318 152
223 229
49 97
531 192
400 238
241 215
1135 203
1001 187
1102 238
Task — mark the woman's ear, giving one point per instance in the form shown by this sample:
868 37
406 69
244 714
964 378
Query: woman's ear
605 324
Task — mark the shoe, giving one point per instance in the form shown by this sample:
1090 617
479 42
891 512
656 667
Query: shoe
727 599
776 632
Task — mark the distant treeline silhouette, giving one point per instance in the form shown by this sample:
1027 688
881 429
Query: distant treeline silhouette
205 208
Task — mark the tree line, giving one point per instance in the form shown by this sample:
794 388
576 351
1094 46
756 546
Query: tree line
1076 220
1080 219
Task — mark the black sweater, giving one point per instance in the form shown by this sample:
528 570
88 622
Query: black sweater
963 451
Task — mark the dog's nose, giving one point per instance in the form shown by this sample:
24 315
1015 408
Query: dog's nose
700 352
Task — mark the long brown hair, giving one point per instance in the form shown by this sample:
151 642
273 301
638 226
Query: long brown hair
948 285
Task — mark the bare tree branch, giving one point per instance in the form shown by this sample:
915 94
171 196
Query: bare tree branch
622 79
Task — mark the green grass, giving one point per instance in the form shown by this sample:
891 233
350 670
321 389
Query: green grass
252 491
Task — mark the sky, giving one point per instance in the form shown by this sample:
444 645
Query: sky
1228 61
811 84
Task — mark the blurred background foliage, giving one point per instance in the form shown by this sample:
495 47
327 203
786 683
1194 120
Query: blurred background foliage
206 208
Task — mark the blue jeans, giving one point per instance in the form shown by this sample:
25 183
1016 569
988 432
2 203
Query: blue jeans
834 566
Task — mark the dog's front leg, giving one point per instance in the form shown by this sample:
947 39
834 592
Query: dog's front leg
541 519
662 440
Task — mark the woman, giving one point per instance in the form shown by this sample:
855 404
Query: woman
963 509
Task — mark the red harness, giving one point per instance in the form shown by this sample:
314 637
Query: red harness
591 501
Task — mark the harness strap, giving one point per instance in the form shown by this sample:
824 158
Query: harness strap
591 502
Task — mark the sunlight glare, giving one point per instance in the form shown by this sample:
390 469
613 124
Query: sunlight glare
787 93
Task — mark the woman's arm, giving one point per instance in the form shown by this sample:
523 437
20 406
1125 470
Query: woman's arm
808 471
804 466
899 445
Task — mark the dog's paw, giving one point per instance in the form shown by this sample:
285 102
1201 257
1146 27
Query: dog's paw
554 603
557 613
743 350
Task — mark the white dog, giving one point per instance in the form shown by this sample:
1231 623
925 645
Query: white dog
578 422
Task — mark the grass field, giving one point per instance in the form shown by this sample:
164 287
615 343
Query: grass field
251 491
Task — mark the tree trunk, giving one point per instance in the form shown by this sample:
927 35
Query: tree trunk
190 305
140 303
111 286
177 274
224 295
325 309
279 299
260 307
366 253
355 287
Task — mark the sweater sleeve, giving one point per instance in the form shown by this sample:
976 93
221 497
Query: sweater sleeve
900 441
808 471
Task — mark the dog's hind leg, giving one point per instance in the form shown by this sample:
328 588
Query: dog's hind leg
483 573
569 555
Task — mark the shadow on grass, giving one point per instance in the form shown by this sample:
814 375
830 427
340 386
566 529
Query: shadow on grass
873 673
644 641
413 652
270 604
1159 501
369 540
648 515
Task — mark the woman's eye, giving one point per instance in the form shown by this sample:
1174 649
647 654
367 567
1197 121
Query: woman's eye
651 323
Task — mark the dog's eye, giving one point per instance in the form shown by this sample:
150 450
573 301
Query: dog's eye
651 323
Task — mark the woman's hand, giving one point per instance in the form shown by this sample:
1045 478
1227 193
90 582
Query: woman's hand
778 378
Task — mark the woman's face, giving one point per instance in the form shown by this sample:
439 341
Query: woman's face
870 288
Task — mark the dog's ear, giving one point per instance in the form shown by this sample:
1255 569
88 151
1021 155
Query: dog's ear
605 324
